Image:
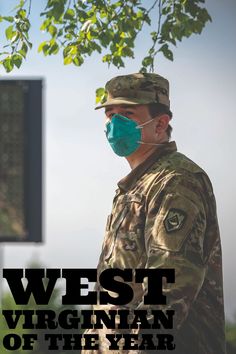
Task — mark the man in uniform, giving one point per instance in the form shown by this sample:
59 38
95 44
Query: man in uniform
163 216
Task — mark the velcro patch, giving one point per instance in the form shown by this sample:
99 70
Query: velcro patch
174 220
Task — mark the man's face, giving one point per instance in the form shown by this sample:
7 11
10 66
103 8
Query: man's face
138 113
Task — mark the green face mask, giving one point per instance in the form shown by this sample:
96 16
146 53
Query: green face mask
124 135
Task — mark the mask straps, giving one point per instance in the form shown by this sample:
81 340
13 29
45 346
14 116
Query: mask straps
140 126
142 142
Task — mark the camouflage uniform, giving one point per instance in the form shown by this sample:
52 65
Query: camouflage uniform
164 216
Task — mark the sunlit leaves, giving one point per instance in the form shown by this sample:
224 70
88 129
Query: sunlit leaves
82 27
101 95
177 20
17 36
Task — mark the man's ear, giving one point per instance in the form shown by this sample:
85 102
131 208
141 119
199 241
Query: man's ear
162 123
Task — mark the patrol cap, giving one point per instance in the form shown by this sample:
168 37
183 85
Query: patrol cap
138 88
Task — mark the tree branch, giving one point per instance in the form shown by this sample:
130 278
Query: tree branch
29 9
152 7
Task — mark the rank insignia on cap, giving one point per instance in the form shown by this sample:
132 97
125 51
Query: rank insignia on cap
174 220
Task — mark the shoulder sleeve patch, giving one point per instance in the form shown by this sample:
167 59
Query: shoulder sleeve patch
174 222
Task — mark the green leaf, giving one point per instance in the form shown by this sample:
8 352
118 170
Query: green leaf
25 25
46 49
58 10
70 28
52 30
100 91
53 49
167 52
24 49
147 19
45 24
40 47
69 14
9 32
8 18
17 60
70 50
176 32
20 5
68 60
101 95
147 61
127 51
118 62
21 13
15 36
96 47
82 15
143 70
78 61
69 36
27 41
107 58
8 65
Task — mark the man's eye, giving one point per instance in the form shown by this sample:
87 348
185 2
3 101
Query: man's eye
129 112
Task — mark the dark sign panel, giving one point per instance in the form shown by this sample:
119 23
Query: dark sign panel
21 160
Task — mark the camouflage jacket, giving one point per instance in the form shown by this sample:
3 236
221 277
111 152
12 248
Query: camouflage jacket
164 216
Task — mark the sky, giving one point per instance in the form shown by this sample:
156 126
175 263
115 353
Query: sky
81 171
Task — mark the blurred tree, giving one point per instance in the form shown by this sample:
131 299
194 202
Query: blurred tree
110 27
231 336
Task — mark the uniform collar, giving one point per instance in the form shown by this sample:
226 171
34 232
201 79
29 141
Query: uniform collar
129 181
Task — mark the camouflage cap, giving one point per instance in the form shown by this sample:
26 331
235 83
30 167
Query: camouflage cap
138 88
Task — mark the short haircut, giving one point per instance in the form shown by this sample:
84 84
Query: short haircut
159 108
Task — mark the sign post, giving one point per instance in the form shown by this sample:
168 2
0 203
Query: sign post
21 161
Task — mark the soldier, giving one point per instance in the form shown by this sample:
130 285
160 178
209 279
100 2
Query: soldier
163 216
